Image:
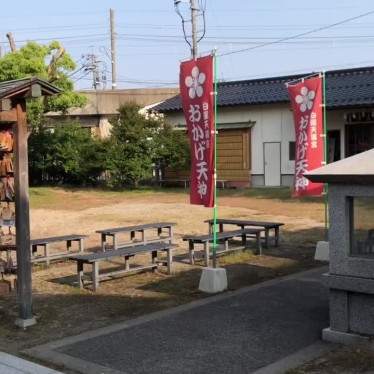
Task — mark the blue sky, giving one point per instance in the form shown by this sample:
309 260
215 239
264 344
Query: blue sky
150 42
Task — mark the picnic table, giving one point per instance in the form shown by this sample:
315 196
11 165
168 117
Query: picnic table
226 236
164 231
47 255
268 227
94 260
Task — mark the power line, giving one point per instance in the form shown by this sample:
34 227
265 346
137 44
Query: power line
297 36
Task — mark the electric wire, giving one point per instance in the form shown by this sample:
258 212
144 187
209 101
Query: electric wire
298 35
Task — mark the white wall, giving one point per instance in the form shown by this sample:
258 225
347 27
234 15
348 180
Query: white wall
288 135
273 123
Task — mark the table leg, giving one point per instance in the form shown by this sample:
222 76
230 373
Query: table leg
267 239
103 242
244 239
192 252
258 242
68 245
169 256
276 236
95 276
81 245
154 258
206 250
115 242
210 228
46 253
80 274
127 263
171 234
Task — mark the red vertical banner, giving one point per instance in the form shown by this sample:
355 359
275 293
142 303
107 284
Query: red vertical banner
306 103
196 91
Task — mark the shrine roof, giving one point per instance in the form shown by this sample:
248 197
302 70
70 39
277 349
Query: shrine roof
344 89
9 89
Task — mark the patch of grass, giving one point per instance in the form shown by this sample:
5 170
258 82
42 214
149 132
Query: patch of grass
237 257
281 193
40 196
348 360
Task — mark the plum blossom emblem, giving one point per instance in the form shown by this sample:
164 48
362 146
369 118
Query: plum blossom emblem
305 99
194 82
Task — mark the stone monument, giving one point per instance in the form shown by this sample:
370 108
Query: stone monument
351 245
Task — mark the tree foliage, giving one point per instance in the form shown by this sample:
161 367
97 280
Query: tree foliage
66 153
51 63
137 142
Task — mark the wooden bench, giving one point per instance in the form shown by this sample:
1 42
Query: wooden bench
45 244
222 182
185 182
268 228
225 236
115 233
94 260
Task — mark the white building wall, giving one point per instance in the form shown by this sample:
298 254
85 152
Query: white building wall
272 123
288 135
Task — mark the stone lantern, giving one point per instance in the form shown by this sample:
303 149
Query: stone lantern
351 244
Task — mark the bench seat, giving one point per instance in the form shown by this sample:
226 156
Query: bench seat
94 260
118 232
186 182
45 244
271 229
225 236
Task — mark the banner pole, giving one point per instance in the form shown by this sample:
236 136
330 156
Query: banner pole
215 163
325 152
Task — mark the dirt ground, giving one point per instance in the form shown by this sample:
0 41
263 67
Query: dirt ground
61 309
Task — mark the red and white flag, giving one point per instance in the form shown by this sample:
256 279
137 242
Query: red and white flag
196 86
306 103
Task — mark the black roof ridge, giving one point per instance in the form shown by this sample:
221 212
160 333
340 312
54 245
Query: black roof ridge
292 77
345 88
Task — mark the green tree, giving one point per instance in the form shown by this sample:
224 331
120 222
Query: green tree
172 148
66 153
51 63
137 142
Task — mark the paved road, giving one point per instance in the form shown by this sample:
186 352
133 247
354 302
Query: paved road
246 331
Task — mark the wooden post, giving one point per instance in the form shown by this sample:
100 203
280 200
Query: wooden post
21 186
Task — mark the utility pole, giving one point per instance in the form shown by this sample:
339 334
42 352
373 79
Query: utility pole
95 72
191 40
113 49
194 31
9 35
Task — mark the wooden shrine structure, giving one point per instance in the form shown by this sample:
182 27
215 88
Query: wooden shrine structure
13 97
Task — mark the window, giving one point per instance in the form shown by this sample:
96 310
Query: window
361 211
291 151
359 138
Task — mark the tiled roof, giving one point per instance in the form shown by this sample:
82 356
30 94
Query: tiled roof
7 88
344 88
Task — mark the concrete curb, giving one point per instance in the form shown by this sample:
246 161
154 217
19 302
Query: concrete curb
14 365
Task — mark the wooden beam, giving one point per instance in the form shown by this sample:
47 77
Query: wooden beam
35 90
5 104
8 116
21 185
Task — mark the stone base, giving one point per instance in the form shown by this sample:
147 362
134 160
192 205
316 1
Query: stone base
347 338
322 251
213 280
23 323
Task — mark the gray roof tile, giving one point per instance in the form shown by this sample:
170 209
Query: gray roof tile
344 88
